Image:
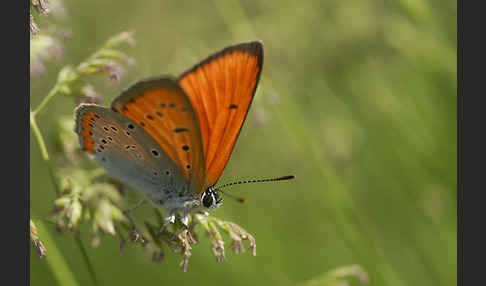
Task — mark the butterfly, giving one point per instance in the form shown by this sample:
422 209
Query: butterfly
171 138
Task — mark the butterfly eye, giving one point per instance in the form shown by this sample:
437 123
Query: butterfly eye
207 198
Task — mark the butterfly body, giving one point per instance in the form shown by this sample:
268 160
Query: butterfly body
171 138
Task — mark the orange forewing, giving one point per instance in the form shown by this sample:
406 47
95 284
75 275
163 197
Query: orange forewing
160 107
221 89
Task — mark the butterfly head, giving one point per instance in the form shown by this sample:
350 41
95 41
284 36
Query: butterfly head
210 198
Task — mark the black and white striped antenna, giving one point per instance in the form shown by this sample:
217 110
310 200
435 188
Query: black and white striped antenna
243 200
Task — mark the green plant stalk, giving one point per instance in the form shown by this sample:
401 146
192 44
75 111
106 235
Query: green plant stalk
50 95
45 157
67 77
55 260
43 149
81 247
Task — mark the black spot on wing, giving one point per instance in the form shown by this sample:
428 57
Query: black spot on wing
180 129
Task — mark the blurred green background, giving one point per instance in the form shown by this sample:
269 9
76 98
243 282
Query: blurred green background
357 99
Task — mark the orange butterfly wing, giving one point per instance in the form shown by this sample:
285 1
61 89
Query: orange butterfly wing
221 89
162 109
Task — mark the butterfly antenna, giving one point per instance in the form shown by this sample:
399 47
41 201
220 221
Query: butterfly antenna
243 200
257 181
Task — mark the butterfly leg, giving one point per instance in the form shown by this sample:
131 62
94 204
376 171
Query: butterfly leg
168 220
134 206
185 220
185 225
176 234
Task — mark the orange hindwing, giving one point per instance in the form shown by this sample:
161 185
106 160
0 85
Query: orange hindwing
161 108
